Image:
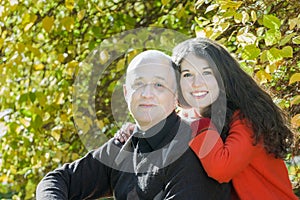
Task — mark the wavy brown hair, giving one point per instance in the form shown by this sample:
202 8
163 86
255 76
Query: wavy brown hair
241 93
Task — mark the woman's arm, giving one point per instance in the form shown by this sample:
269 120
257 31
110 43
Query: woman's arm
222 161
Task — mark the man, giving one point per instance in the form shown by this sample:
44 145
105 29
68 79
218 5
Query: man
155 162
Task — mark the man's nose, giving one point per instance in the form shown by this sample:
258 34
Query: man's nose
147 91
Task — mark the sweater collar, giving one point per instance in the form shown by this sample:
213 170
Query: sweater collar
154 136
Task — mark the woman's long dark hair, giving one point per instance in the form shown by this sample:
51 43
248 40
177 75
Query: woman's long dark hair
242 94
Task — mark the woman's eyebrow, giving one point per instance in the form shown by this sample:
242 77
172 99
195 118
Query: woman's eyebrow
204 68
185 70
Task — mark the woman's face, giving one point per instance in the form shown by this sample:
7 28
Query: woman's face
198 83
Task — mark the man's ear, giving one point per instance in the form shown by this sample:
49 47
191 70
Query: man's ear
125 93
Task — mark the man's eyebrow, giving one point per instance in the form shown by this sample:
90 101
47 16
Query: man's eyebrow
157 77
161 78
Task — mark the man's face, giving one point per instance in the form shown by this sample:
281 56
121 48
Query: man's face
150 91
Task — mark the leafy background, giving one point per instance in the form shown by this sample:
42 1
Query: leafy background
43 45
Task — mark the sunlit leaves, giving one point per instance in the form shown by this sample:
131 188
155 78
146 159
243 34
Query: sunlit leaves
28 21
47 23
295 78
250 52
295 100
271 22
165 2
294 22
296 40
296 120
272 37
68 23
69 4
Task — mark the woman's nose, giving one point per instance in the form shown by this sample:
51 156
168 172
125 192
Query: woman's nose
198 80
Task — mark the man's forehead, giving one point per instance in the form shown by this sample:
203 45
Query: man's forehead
150 58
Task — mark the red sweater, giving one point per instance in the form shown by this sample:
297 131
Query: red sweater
255 174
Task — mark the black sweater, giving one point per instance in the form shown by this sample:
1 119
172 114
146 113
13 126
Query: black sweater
156 164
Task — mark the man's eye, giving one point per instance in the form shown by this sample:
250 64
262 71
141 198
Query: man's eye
137 85
157 85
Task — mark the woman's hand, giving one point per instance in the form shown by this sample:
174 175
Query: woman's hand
124 133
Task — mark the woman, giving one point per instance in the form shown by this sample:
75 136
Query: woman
254 137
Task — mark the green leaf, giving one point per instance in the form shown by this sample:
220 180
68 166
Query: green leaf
23 98
274 55
26 113
264 56
296 40
271 22
250 52
32 96
287 52
36 122
286 39
272 37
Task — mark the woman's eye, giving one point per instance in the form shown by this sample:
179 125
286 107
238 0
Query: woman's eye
187 75
207 73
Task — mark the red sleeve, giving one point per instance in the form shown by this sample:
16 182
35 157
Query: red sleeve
222 161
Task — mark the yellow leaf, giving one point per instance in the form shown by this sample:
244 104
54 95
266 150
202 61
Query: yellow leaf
48 23
61 57
68 23
100 124
56 134
34 50
20 47
271 68
69 4
74 156
1 42
4 178
296 100
38 67
165 2
293 23
80 15
59 99
31 18
263 76
64 118
294 78
296 120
